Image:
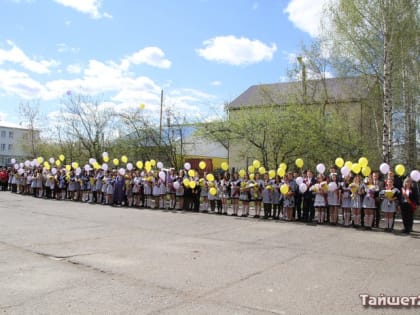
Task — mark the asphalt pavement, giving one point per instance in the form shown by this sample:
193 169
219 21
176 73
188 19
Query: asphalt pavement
64 257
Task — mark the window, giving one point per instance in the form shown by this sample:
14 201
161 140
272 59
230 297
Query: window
3 134
11 134
10 147
3 147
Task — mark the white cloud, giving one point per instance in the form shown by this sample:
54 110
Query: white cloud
74 69
20 84
91 7
306 14
64 48
17 56
216 83
152 56
236 51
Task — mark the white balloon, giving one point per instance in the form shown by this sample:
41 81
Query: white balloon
187 166
105 154
13 161
130 166
105 167
299 180
20 171
27 163
78 171
320 168
303 188
345 171
159 165
332 186
92 161
415 175
384 168
21 165
87 167
53 171
162 175
16 166
176 185
121 171
52 160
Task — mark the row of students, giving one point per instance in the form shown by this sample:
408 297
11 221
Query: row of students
359 200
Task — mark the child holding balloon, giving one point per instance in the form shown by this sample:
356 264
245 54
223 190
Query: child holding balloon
244 195
320 197
356 200
369 203
235 186
389 203
333 199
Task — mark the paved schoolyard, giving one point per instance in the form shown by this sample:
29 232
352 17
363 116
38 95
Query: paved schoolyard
62 257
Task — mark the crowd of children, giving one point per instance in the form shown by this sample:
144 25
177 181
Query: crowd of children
297 196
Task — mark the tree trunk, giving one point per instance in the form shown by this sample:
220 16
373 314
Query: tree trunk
387 102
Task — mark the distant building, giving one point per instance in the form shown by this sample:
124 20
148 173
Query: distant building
15 142
352 98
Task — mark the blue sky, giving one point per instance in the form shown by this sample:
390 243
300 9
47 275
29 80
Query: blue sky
202 53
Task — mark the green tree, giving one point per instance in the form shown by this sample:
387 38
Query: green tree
370 37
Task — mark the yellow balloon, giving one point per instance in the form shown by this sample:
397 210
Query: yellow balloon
40 159
225 166
366 171
191 173
106 159
57 162
96 166
256 164
139 165
210 177
251 169
68 168
115 162
242 173
355 168
153 163
261 170
142 106
339 162
363 162
193 184
283 166
186 182
62 157
299 163
124 159
202 165
400 169
148 165
251 176
271 174
213 191
75 165
281 172
349 164
284 189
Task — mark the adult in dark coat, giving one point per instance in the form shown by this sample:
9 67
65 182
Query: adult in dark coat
119 190
408 202
308 198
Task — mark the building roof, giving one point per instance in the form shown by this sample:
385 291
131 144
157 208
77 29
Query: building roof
6 124
337 90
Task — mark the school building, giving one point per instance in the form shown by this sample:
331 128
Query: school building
14 142
352 98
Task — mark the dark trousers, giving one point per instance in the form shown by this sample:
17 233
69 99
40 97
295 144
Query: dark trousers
308 210
276 210
196 202
298 207
267 210
407 217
